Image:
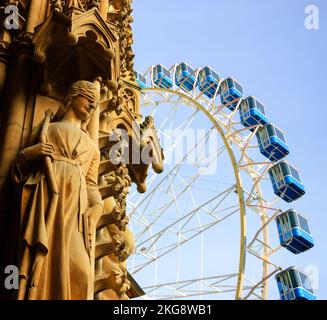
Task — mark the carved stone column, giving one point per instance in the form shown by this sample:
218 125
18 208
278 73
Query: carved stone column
15 104
36 14
4 59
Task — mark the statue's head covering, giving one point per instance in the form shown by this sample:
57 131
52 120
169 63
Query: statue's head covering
85 89
82 88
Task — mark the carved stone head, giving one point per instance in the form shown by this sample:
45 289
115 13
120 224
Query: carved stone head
85 89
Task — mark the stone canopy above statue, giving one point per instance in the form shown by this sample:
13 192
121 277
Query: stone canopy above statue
80 44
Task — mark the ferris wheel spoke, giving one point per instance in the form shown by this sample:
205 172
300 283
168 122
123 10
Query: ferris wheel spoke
201 207
218 279
161 210
262 258
171 115
183 242
223 194
180 134
274 250
262 228
256 182
214 284
187 122
247 145
150 194
261 282
145 197
155 104
195 293
192 178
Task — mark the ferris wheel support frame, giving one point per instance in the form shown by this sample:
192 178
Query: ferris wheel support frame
225 124
239 186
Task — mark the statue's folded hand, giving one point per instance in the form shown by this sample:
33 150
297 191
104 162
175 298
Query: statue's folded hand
38 152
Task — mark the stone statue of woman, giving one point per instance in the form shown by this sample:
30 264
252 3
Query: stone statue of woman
54 256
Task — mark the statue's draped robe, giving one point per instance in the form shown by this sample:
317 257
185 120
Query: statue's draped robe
59 240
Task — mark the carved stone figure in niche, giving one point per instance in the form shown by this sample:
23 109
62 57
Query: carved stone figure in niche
58 226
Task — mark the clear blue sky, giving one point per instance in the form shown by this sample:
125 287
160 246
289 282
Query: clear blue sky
265 45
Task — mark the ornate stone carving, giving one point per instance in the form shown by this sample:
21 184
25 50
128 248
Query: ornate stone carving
75 41
84 5
117 280
71 40
116 183
120 248
123 20
57 5
117 217
117 246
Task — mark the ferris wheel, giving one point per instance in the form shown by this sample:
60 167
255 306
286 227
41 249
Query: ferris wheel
205 229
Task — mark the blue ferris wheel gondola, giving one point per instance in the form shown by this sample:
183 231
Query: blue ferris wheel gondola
208 82
286 181
230 92
252 112
162 77
185 76
294 232
141 80
272 142
294 284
